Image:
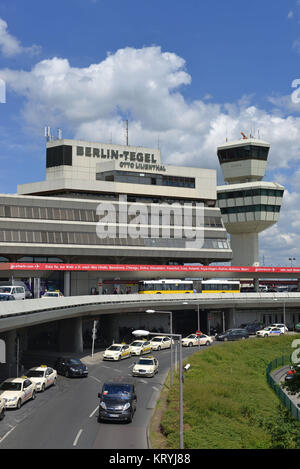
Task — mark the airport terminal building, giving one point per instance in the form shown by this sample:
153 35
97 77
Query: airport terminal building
106 203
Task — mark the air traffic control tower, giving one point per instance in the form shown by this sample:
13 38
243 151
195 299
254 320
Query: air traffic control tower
248 204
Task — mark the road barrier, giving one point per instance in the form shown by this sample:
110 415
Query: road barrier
286 401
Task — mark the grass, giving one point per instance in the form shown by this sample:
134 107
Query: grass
227 401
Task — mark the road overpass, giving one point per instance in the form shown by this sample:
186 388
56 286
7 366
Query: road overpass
71 311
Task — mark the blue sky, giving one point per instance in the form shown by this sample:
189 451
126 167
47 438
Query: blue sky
187 73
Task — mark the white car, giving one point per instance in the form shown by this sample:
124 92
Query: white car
147 366
2 408
117 352
16 391
281 326
140 347
160 342
269 332
53 294
193 339
43 376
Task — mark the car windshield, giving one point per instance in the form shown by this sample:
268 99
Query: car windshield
137 344
10 386
191 336
156 339
145 361
35 374
74 361
5 289
116 390
114 347
51 294
267 328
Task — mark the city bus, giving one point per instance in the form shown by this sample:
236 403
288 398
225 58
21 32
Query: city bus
165 286
220 286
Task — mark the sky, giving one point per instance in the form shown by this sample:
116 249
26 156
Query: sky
186 76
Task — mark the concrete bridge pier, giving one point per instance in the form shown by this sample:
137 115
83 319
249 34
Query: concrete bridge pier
70 335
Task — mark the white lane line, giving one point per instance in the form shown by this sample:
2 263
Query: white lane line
96 379
94 411
6 434
77 437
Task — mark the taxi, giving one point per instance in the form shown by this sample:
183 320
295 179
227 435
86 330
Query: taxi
2 408
269 332
43 376
140 347
52 294
147 366
193 339
117 352
16 391
160 342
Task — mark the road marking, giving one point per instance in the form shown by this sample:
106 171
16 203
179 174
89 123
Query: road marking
94 411
77 437
94 377
7 433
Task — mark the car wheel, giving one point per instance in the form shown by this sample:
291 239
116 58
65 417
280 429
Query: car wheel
54 382
2 414
67 374
130 418
33 395
190 344
43 387
207 343
158 348
119 357
266 335
19 404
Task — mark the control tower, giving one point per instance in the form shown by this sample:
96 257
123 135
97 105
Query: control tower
248 205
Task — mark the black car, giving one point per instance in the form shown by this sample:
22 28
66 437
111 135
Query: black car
253 328
117 402
232 334
71 367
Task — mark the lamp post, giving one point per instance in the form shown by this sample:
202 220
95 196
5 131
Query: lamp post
292 259
142 333
153 311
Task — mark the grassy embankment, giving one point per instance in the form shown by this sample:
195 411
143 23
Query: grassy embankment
228 403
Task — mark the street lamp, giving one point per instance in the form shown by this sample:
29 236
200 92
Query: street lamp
142 333
152 311
292 259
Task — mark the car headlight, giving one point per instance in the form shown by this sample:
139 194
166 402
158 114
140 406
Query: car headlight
73 369
11 399
126 406
103 405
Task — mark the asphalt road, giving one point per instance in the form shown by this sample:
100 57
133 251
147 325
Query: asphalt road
65 416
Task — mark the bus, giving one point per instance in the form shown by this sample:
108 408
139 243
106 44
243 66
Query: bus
220 286
165 286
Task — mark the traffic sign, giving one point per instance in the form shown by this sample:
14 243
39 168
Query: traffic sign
198 333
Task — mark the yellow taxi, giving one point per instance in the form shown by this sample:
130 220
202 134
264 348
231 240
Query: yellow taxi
16 391
146 366
117 352
193 339
52 294
160 342
2 408
140 347
43 376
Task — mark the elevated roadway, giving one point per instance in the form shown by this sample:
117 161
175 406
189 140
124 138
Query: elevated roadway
20 314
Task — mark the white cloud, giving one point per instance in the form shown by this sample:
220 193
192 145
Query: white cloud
10 46
144 86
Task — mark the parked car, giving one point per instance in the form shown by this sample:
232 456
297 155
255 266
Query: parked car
297 327
232 334
281 326
117 402
193 339
269 332
2 408
253 328
117 352
160 342
43 376
52 294
71 367
16 391
17 292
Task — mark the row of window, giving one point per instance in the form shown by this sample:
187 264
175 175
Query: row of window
243 153
250 193
132 177
49 213
58 237
251 208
